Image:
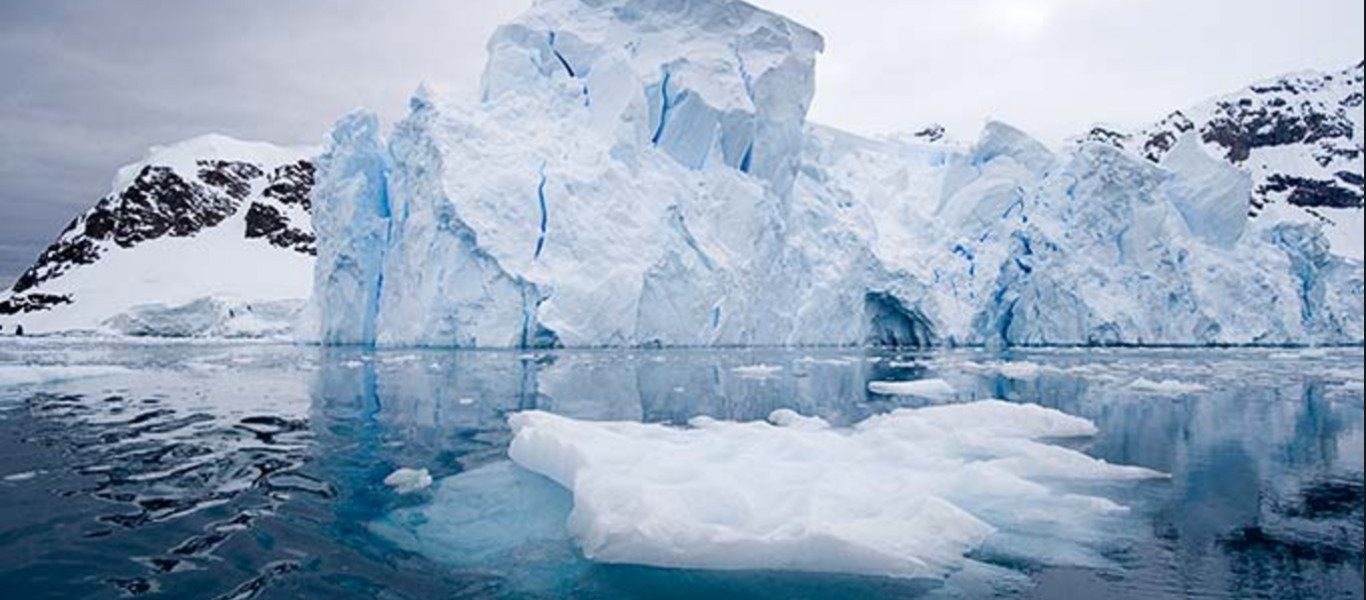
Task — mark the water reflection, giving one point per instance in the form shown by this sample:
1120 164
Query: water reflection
256 471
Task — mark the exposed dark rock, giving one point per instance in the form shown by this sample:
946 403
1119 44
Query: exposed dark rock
31 303
158 203
265 221
932 133
70 249
1161 142
232 177
1312 193
291 184
1109 137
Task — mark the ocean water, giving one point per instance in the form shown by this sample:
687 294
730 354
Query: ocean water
166 470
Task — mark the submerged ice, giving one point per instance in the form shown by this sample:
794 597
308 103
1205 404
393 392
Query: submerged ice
640 173
909 494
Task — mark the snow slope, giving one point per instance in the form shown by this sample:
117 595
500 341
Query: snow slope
208 237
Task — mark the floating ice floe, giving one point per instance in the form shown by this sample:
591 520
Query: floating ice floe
407 481
1166 386
934 389
1021 370
907 494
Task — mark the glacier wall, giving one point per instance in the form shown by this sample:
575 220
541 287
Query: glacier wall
351 221
640 173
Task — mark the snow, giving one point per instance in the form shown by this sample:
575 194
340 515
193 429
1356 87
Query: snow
407 481
1166 386
183 156
21 375
934 389
906 494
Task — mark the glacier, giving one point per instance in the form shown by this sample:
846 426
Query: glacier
640 173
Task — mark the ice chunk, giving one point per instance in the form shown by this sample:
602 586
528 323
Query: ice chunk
934 389
407 481
1166 386
757 371
907 494
1211 194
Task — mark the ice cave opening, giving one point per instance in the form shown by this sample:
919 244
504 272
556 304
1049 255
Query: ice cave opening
892 324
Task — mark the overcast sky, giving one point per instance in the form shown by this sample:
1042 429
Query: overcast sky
89 85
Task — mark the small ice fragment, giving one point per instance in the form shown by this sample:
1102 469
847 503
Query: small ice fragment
407 481
25 476
1020 370
934 389
757 371
1166 386
465 401
784 417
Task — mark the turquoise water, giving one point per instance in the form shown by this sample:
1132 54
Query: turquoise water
255 471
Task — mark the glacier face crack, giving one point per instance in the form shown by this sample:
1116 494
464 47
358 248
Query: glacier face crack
665 105
564 62
545 215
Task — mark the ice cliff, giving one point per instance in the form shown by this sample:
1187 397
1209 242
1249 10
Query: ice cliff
639 172
626 179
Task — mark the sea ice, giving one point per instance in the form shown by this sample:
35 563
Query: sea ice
757 371
934 389
1166 386
17 375
907 494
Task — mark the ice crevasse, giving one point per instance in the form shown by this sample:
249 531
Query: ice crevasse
640 172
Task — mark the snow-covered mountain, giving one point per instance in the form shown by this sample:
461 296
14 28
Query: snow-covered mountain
641 172
207 237
1299 136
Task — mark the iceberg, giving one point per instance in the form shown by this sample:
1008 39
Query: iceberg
909 494
641 173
